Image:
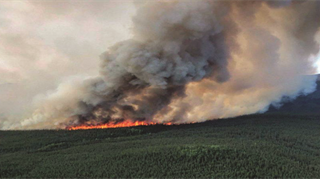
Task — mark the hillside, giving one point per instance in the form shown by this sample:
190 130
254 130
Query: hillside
309 104
283 142
250 146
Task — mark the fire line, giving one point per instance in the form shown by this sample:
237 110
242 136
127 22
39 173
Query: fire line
115 125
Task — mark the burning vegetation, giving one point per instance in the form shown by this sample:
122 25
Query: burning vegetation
126 123
190 61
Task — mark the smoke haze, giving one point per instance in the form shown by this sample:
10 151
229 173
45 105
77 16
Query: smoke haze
184 61
44 43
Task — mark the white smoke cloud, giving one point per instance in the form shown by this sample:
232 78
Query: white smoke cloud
190 61
43 43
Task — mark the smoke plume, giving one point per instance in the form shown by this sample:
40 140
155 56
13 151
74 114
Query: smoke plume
191 61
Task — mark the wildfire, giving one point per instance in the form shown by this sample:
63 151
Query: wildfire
127 123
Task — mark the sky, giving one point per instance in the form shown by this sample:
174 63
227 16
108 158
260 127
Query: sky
44 43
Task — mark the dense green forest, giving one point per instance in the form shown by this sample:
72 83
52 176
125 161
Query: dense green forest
266 145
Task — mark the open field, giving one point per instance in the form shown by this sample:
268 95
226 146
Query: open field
269 145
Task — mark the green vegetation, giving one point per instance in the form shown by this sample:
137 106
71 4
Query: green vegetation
269 145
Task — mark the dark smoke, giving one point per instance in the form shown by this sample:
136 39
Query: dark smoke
191 61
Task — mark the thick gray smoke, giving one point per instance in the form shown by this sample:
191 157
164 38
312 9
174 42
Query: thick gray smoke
190 61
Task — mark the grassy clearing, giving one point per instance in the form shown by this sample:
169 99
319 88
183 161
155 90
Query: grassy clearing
250 146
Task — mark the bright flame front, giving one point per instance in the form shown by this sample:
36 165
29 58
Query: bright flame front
126 123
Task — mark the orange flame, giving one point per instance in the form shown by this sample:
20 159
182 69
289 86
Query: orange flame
126 123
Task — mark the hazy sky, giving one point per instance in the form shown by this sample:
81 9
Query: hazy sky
45 42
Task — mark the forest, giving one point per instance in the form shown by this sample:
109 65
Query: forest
261 145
